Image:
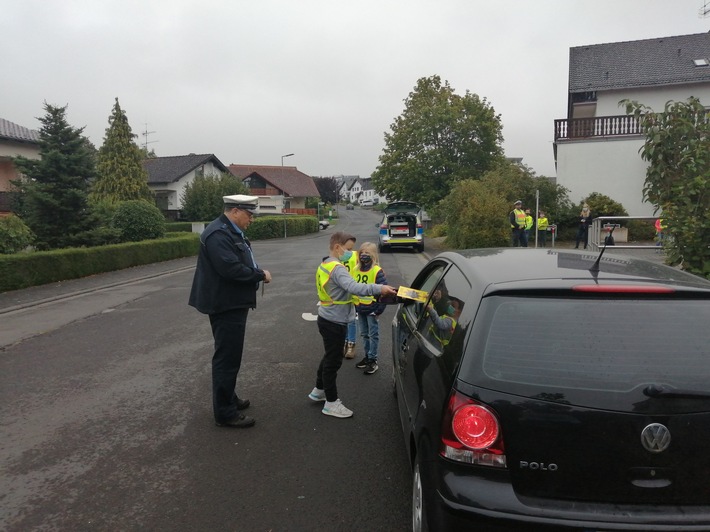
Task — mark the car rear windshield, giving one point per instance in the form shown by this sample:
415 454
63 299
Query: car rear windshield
610 345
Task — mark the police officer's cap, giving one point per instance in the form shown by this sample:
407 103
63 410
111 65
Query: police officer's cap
242 201
518 203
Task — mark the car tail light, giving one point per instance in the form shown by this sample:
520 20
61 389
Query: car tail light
470 433
383 226
623 288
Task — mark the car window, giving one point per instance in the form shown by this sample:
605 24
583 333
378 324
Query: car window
443 310
609 345
425 283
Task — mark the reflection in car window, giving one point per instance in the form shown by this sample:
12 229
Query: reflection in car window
427 286
443 310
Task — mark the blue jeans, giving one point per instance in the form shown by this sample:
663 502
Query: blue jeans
352 331
370 332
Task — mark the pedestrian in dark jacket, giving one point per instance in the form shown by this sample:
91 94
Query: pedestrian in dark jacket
585 219
224 287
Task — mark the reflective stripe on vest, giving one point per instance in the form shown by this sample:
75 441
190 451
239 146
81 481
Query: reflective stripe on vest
323 273
368 277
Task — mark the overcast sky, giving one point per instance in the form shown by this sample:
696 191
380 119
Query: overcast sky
253 80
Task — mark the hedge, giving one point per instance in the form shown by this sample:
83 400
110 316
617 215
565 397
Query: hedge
23 270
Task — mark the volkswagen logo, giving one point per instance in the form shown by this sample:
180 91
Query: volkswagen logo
655 438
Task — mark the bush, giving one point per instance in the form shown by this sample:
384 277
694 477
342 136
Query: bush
476 216
14 234
138 220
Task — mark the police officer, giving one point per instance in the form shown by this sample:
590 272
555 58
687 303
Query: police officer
224 287
517 225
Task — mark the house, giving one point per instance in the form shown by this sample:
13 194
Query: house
280 188
597 146
168 177
344 184
14 140
361 192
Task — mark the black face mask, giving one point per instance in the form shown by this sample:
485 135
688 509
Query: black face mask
365 260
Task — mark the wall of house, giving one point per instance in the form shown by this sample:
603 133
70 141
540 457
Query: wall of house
610 166
9 149
655 98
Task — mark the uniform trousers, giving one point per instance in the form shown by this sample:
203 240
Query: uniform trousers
228 329
333 339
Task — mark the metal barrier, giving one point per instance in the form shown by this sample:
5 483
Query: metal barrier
596 241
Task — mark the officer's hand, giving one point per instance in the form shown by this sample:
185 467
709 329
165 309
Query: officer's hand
267 276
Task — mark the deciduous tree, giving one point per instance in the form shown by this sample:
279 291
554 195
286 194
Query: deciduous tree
202 199
440 139
677 182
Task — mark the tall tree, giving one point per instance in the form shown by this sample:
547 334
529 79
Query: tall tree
677 148
54 188
327 188
440 139
120 172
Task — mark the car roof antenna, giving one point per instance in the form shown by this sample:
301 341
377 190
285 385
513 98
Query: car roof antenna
595 266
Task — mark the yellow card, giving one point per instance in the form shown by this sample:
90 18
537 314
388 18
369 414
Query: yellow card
411 293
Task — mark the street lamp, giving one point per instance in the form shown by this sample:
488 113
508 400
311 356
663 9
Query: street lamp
282 176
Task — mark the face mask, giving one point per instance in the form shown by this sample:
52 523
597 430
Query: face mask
346 256
365 260
450 310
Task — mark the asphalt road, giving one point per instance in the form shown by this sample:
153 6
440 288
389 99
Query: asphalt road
105 409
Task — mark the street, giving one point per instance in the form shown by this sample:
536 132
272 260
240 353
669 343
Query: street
105 407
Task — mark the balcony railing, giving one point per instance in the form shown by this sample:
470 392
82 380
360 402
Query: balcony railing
601 126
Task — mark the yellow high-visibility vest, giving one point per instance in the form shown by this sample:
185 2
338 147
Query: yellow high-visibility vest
519 218
368 277
542 223
323 273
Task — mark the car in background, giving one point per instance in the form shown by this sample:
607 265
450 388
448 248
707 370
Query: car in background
323 224
349 207
401 226
555 390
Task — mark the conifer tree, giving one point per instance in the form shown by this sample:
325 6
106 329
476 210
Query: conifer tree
55 187
120 172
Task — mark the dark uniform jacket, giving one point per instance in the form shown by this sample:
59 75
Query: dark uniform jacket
225 277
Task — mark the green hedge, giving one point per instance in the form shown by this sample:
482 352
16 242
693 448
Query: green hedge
178 227
23 270
263 228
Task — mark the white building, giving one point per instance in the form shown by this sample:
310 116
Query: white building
597 146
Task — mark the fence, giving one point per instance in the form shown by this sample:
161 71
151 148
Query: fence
597 241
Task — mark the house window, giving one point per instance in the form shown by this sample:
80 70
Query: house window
701 62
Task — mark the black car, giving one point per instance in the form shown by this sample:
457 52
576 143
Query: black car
549 390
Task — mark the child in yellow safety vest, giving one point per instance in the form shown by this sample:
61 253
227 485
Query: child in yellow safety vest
368 270
337 292
542 225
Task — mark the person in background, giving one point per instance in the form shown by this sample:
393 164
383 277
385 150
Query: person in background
517 225
542 225
659 231
336 288
368 308
224 287
350 338
585 219
528 225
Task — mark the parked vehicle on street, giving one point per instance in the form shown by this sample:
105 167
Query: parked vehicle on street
555 390
401 226
323 224
349 207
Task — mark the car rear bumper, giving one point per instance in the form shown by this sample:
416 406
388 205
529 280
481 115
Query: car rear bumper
463 501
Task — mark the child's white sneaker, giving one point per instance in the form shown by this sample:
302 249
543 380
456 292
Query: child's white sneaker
336 409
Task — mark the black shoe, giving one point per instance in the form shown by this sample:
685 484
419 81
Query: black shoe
362 364
240 421
242 404
371 367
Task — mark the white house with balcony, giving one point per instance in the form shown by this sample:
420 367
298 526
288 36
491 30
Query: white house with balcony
597 146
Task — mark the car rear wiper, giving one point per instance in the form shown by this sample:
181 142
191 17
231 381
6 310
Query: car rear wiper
655 390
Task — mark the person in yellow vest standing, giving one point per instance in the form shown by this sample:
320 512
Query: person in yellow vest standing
517 225
542 225
368 308
528 224
336 288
